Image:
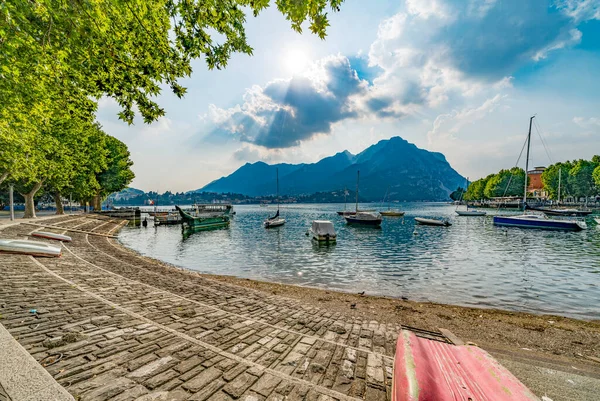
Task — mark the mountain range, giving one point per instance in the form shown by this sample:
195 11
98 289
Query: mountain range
395 165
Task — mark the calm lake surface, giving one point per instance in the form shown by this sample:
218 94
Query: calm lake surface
472 263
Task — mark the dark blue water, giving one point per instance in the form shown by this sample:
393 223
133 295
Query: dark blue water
471 263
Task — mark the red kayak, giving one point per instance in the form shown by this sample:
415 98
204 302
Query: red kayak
430 370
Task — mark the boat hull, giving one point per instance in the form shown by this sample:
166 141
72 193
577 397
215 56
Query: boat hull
323 238
33 248
54 236
561 212
345 213
432 222
274 223
391 214
507 221
361 222
472 214
202 223
426 369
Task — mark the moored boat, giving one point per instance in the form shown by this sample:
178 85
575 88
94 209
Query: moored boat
470 213
539 221
533 220
391 213
361 217
432 222
597 220
364 218
561 212
322 231
429 369
54 236
26 247
275 221
202 223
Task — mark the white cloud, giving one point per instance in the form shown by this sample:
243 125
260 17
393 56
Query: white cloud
580 10
591 122
571 40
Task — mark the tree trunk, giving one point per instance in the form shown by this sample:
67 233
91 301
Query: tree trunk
59 204
97 202
29 203
3 176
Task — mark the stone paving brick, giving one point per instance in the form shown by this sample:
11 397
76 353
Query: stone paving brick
202 379
239 385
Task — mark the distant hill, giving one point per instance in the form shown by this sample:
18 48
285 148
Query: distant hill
410 173
127 193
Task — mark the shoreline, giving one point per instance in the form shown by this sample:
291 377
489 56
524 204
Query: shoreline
542 336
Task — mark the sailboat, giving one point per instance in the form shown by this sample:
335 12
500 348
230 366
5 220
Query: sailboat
275 221
372 219
536 221
467 212
346 212
390 212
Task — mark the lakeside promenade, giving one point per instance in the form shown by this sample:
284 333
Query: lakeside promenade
108 324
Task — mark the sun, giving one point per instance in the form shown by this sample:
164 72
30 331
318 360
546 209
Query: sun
295 61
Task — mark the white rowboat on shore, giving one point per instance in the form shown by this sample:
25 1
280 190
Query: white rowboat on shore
27 247
54 236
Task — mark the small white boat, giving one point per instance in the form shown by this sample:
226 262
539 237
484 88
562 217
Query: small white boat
432 222
54 236
597 220
372 219
470 213
322 231
274 222
26 247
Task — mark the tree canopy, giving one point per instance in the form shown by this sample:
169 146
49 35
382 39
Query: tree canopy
58 58
578 178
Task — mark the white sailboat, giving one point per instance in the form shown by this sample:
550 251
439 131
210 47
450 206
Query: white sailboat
275 221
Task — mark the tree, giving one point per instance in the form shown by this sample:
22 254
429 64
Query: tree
127 49
476 189
558 172
505 183
581 179
596 175
117 174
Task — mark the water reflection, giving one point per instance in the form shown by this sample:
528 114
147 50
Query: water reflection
470 263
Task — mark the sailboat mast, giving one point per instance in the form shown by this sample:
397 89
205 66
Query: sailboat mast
345 198
559 179
357 178
527 163
277 173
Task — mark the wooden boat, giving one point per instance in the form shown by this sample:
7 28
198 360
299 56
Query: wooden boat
27 247
322 231
432 222
536 221
427 369
539 221
54 236
275 221
202 223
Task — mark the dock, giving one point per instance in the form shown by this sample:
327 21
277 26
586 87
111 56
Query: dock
108 324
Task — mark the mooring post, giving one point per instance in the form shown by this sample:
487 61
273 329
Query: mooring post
11 201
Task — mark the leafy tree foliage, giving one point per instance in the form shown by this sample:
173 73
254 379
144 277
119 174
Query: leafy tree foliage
458 194
127 49
505 183
578 178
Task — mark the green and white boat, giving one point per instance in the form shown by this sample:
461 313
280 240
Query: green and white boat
202 223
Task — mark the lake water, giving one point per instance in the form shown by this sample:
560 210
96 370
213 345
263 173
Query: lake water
471 263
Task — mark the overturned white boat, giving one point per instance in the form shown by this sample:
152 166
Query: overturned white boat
26 247
54 236
322 231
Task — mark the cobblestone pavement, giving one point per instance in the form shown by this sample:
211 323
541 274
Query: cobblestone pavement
110 325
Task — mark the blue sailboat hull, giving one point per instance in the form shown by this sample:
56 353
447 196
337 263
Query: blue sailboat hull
506 221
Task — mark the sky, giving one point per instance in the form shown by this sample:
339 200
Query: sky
461 77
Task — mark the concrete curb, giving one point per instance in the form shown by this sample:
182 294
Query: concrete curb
22 377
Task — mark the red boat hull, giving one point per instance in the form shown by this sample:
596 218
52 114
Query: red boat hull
429 370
